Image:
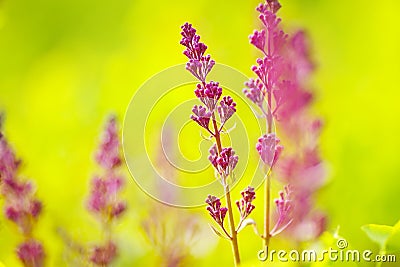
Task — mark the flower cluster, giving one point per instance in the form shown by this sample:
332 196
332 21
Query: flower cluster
284 207
280 92
31 253
269 149
103 255
224 162
245 204
217 212
20 205
199 64
103 200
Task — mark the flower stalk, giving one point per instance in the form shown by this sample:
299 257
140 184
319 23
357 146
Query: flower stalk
222 158
21 205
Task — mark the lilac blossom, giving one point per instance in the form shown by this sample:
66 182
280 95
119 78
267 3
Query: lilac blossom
223 159
245 204
269 149
104 201
20 205
31 253
217 212
280 92
284 207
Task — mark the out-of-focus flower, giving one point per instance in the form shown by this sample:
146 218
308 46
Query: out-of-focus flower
284 207
103 255
269 149
108 155
31 253
104 201
20 205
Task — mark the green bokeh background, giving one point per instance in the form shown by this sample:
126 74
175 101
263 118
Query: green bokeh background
65 65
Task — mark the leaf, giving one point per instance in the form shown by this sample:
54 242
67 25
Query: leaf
378 233
218 233
393 242
247 222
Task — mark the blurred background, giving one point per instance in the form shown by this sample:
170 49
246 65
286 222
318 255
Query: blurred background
66 65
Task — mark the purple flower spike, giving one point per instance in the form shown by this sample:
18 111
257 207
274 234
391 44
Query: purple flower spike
269 149
31 253
201 116
226 109
199 65
245 205
217 212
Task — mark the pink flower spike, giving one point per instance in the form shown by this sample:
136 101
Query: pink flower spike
269 149
217 212
31 253
201 116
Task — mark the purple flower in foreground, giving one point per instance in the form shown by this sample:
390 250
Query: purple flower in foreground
31 253
245 205
226 109
201 116
217 212
224 163
269 149
209 94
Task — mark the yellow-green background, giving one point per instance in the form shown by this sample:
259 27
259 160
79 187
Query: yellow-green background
64 65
